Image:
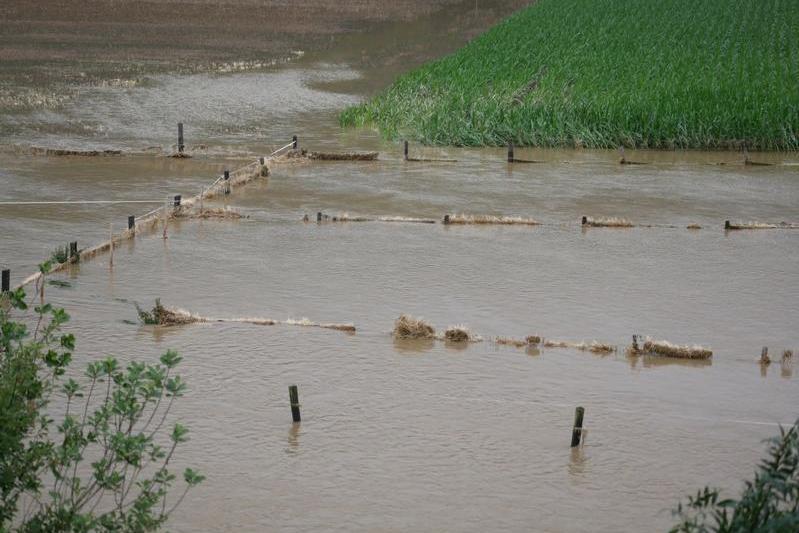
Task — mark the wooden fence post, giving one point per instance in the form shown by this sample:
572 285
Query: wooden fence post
180 137
294 398
578 426
6 280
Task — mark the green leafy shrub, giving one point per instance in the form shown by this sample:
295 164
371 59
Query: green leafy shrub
105 463
770 502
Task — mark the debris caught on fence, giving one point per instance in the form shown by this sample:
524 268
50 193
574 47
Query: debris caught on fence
408 327
489 219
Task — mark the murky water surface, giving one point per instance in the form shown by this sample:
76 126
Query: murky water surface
409 436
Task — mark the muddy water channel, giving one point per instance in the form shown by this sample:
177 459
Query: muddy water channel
423 436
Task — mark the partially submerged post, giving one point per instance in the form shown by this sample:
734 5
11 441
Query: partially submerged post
294 143
227 182
180 137
6 280
584 221
510 152
294 398
636 348
73 251
131 222
578 426
446 220
727 225
176 201
764 358
111 240
319 216
405 150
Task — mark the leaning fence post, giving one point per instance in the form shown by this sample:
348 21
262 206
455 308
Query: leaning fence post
294 398
294 142
578 426
180 137
6 280
510 152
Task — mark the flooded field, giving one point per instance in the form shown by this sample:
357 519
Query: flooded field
418 435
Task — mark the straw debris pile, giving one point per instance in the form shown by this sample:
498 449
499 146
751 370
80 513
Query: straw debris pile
612 222
161 316
407 327
667 349
489 219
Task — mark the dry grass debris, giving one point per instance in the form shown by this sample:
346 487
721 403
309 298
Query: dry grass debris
489 219
667 349
216 213
731 226
408 327
460 333
533 340
593 346
611 222
507 341
161 316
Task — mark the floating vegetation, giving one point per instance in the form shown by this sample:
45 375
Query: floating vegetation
220 213
406 219
507 341
161 316
60 254
489 219
758 225
59 283
408 327
460 333
530 341
341 217
593 346
693 226
304 322
667 349
36 150
345 156
611 222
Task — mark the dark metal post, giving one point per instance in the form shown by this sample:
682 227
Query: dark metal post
180 137
294 398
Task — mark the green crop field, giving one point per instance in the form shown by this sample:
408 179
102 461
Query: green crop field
711 74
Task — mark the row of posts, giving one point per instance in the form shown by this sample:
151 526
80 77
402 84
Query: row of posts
577 430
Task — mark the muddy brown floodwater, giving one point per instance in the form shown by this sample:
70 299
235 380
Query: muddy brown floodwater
404 435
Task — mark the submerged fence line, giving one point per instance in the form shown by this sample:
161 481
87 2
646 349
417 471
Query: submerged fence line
502 220
171 206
